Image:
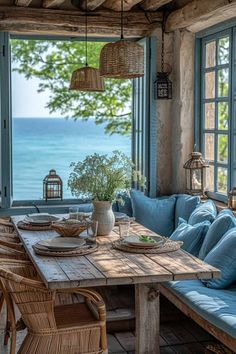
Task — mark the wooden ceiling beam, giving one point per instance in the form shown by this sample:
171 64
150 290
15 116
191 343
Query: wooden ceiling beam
115 5
91 4
100 23
23 3
198 15
153 5
52 3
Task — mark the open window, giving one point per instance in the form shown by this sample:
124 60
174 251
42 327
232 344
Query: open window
36 137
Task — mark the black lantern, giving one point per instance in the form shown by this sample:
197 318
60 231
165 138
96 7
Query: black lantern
232 199
163 85
195 174
52 186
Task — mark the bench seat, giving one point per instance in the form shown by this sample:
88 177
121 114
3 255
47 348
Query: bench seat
213 309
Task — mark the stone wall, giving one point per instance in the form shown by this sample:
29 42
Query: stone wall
176 116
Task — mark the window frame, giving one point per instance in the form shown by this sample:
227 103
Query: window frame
7 204
215 33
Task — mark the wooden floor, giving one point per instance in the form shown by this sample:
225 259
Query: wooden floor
179 335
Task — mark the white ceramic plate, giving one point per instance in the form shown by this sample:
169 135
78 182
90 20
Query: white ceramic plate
40 218
62 243
133 240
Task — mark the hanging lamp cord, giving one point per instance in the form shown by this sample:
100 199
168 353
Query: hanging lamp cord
122 20
86 32
163 42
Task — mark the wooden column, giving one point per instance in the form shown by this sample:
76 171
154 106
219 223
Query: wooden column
147 319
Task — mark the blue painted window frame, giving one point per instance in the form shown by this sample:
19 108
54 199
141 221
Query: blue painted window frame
216 32
147 114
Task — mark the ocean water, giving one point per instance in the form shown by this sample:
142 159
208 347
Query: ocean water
41 144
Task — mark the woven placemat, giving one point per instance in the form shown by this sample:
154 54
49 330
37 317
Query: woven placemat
169 246
22 225
43 251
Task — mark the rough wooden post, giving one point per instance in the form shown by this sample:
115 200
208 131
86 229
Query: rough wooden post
147 319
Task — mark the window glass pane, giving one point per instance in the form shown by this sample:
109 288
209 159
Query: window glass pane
210 115
210 178
223 51
223 148
223 82
210 84
222 180
209 147
210 54
223 115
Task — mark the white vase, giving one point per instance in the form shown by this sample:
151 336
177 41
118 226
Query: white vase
103 214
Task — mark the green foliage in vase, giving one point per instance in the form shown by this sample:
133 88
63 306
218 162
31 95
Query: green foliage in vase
101 177
52 62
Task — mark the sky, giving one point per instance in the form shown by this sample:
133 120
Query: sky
26 101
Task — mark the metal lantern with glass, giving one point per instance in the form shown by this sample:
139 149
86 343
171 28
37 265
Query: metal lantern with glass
52 186
232 199
195 174
163 85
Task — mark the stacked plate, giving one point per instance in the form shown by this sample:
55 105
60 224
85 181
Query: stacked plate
144 241
60 244
40 219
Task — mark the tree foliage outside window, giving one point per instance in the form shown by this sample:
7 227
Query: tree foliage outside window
53 62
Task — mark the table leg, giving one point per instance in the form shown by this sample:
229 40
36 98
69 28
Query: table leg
147 319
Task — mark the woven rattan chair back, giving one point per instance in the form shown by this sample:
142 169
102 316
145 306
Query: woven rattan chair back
65 329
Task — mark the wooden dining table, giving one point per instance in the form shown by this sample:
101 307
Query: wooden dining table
108 266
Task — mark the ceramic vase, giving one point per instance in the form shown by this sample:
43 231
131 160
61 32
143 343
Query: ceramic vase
103 214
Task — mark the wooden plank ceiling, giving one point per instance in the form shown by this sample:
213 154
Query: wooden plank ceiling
67 17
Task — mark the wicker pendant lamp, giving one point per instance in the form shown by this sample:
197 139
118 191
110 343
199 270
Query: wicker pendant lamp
87 78
122 59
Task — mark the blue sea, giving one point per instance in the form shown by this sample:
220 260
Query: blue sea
41 144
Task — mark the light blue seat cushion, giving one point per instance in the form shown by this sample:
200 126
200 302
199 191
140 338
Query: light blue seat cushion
223 257
157 214
85 208
126 206
185 205
215 306
191 235
205 211
224 221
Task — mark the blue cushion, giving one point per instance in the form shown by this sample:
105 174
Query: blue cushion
224 221
216 307
156 214
223 257
185 205
85 208
205 211
126 206
192 236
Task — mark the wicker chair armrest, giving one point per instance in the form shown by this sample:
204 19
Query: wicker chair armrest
8 275
12 245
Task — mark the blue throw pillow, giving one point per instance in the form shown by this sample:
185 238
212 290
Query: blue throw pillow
185 205
205 211
157 214
224 221
192 236
223 257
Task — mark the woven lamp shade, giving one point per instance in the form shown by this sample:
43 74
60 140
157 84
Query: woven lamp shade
122 60
87 79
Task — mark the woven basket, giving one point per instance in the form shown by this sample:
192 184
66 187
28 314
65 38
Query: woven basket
87 79
122 59
69 230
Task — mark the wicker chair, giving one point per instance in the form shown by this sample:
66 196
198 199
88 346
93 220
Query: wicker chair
7 231
64 329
